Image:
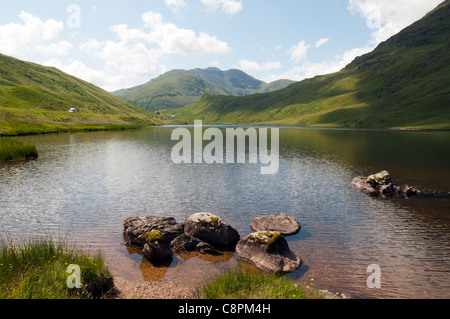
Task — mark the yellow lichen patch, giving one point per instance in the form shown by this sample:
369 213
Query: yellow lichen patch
153 236
267 237
378 178
207 219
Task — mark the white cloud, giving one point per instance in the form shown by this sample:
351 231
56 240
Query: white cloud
176 4
321 42
312 69
247 65
299 51
387 17
77 68
227 6
30 35
60 48
135 56
169 38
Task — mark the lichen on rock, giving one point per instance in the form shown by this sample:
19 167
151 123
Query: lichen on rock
211 229
153 236
267 237
207 219
268 251
382 177
283 223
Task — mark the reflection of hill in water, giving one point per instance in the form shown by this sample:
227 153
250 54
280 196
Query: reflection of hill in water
415 158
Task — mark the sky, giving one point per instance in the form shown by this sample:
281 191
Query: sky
120 44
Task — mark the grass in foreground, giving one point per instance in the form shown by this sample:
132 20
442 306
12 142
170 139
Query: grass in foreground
12 150
244 284
36 268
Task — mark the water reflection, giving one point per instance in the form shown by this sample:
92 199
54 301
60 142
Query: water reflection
86 184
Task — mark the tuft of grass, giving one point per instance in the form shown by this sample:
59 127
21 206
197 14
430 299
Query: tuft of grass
244 284
36 268
13 149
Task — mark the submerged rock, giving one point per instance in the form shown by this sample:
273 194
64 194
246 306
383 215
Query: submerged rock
410 191
156 247
134 227
268 251
282 223
186 242
211 229
157 252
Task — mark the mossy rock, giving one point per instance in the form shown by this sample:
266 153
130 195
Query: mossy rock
267 238
153 236
380 178
207 219
268 251
212 230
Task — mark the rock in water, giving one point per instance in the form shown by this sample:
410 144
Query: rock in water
157 252
410 191
212 230
268 251
186 242
134 227
156 247
282 223
377 184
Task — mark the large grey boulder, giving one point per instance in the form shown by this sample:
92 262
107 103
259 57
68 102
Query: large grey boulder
211 229
134 227
268 251
282 223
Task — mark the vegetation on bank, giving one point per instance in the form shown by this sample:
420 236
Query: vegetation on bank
11 149
35 99
36 268
245 284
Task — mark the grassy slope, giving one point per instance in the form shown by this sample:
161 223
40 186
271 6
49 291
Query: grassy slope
178 88
403 83
36 99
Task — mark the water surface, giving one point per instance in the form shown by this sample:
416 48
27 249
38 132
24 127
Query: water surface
86 184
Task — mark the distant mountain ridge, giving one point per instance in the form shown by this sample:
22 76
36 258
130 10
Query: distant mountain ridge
403 83
179 88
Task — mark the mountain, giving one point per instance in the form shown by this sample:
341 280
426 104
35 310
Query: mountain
37 99
178 88
403 83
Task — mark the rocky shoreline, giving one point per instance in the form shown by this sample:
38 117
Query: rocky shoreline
130 290
160 238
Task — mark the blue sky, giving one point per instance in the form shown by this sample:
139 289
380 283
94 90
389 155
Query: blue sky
118 44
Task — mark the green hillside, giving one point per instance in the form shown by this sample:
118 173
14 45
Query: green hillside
178 88
403 83
37 99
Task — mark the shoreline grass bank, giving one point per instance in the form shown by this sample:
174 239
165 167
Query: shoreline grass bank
244 284
26 129
11 150
36 268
